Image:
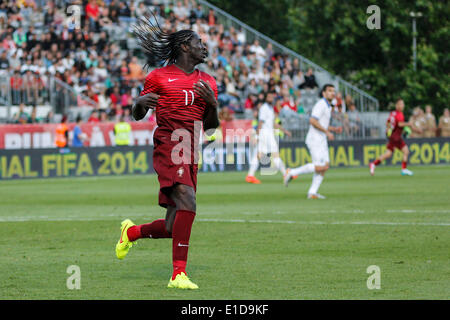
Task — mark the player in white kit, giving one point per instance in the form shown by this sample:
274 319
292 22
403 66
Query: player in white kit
267 142
316 140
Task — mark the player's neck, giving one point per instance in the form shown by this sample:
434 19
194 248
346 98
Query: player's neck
185 65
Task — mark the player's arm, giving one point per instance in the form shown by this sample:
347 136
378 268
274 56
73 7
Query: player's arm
279 126
402 124
316 124
211 116
148 98
335 129
143 103
259 126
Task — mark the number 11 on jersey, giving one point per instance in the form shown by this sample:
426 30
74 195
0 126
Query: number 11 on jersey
187 96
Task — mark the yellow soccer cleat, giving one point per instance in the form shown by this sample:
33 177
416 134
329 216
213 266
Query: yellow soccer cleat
123 245
182 282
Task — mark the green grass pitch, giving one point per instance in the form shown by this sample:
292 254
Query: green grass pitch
248 241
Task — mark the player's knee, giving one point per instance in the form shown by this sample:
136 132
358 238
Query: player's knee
185 198
322 169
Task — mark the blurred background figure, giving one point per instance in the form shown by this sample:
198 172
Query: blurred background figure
444 124
79 137
62 133
430 123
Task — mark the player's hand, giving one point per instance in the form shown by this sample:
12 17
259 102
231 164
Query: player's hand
330 136
203 89
338 130
149 101
288 133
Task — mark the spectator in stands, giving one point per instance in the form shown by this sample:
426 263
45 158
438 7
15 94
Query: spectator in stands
19 37
340 119
418 123
92 14
4 61
444 124
287 102
339 102
126 99
50 118
211 18
103 116
277 105
430 123
21 116
348 100
127 117
104 102
16 84
310 81
182 12
8 43
354 120
33 117
298 79
136 72
94 116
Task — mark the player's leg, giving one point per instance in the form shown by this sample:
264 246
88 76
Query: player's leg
253 166
157 229
279 164
170 218
273 148
405 171
381 158
320 159
292 173
317 181
184 198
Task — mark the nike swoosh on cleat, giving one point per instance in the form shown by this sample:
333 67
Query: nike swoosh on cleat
122 233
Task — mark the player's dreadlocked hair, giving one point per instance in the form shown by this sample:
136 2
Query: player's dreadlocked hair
158 45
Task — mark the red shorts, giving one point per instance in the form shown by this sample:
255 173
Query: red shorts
395 143
170 173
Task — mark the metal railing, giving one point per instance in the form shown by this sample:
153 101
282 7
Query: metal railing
61 96
363 101
355 125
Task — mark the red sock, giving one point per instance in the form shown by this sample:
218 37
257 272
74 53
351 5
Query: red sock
376 162
156 230
181 233
404 164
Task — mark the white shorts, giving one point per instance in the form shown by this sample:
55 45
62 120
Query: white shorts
319 152
267 142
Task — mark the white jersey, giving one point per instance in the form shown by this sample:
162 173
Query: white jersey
322 113
267 117
266 138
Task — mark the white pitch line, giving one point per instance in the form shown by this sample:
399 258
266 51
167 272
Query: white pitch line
331 222
416 211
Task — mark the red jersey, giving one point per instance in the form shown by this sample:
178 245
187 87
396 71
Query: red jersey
178 105
394 118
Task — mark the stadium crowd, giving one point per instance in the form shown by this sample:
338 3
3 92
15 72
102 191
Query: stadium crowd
38 42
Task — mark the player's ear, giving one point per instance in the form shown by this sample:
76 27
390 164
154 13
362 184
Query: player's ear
184 47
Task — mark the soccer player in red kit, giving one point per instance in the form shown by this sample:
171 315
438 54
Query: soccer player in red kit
395 124
184 99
